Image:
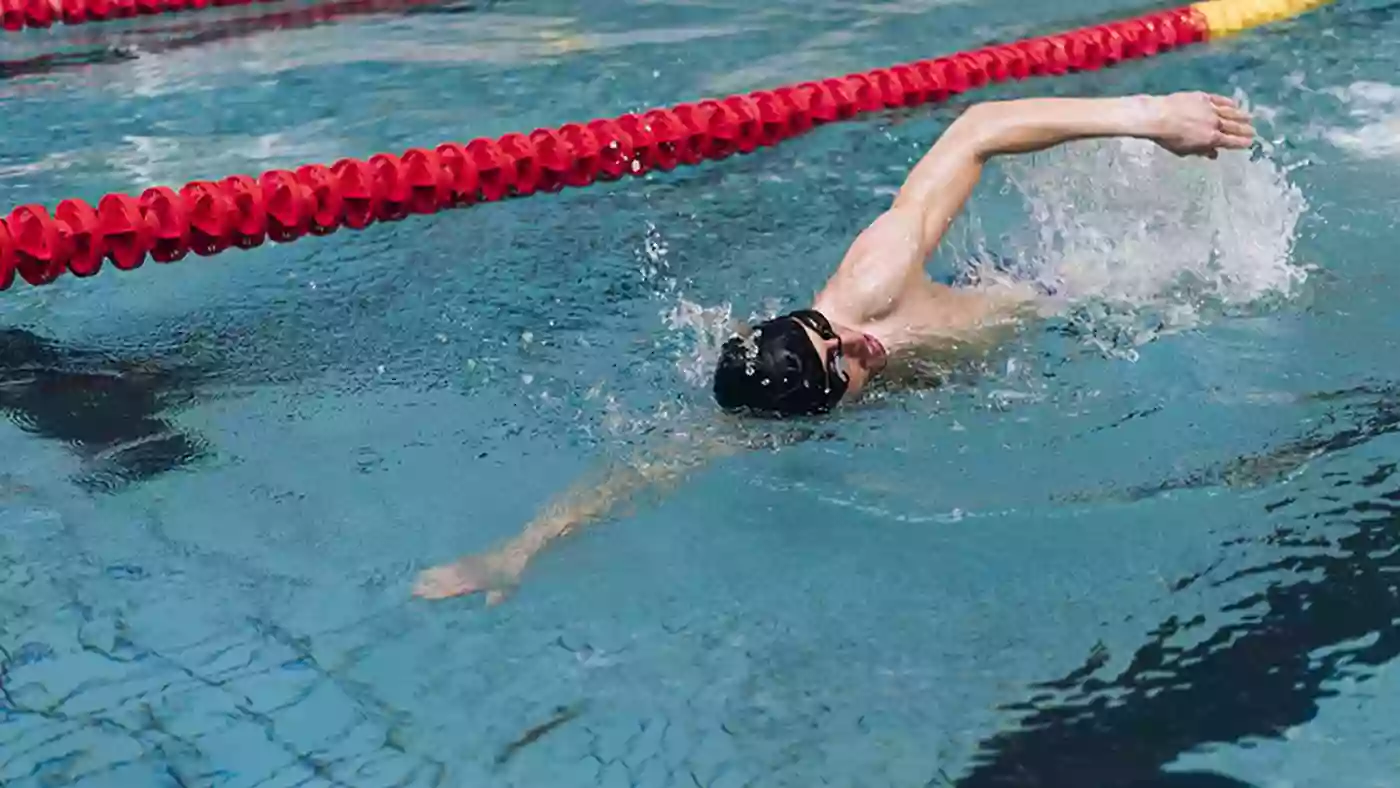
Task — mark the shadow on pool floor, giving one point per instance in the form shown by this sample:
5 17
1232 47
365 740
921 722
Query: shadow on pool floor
1327 612
105 408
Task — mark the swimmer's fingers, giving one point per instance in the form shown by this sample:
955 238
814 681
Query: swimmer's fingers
441 583
1221 102
1233 118
1233 113
1232 128
1233 141
457 579
492 573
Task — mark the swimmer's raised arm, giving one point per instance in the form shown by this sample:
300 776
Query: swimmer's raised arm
1184 123
587 501
891 253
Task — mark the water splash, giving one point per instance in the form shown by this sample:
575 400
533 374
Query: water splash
1375 109
1137 242
695 332
703 330
655 262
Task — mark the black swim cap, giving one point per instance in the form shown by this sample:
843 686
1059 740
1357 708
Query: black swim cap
776 371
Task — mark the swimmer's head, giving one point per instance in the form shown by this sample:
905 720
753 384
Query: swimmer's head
798 364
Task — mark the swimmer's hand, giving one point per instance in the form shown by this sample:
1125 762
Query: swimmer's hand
497 573
1199 124
493 573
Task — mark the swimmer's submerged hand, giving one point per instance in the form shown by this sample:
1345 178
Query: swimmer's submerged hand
1200 124
493 573
498 572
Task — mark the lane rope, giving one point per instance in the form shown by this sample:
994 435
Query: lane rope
16 15
207 217
1228 17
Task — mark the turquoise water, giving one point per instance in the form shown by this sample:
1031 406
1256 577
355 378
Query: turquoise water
1151 543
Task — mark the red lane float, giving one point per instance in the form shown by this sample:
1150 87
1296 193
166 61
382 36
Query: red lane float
176 35
20 14
170 37
207 217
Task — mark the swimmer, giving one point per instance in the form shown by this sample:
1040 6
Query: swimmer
880 312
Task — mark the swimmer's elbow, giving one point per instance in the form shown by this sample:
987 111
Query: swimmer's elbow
976 132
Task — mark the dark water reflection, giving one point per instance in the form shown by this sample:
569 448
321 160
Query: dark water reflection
1329 609
107 409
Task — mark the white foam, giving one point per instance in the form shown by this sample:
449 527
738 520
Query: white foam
1375 108
1130 234
1125 221
706 329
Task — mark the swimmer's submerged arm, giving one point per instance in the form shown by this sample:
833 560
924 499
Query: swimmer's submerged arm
585 502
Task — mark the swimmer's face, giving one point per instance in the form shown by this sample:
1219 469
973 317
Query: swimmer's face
847 353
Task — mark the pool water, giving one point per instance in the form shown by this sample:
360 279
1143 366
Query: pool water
1152 542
